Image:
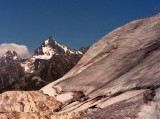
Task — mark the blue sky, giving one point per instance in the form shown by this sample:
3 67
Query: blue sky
74 23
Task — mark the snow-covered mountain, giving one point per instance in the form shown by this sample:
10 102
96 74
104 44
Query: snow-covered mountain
49 62
49 48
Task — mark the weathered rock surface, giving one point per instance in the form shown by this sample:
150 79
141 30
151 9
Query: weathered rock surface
29 101
21 104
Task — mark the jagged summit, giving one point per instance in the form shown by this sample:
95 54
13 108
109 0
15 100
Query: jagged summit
45 52
11 55
50 41
50 47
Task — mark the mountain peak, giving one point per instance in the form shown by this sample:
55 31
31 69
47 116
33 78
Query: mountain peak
50 47
50 40
11 55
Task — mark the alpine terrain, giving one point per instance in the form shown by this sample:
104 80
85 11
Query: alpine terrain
117 78
48 63
45 52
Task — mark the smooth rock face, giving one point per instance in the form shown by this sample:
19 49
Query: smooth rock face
127 59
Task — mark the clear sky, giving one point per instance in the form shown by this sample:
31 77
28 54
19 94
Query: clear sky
74 23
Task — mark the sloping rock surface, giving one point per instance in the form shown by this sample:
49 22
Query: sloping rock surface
126 59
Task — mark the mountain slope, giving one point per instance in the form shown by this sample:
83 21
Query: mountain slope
53 69
10 73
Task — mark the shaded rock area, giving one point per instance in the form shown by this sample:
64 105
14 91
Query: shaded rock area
10 68
10 73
